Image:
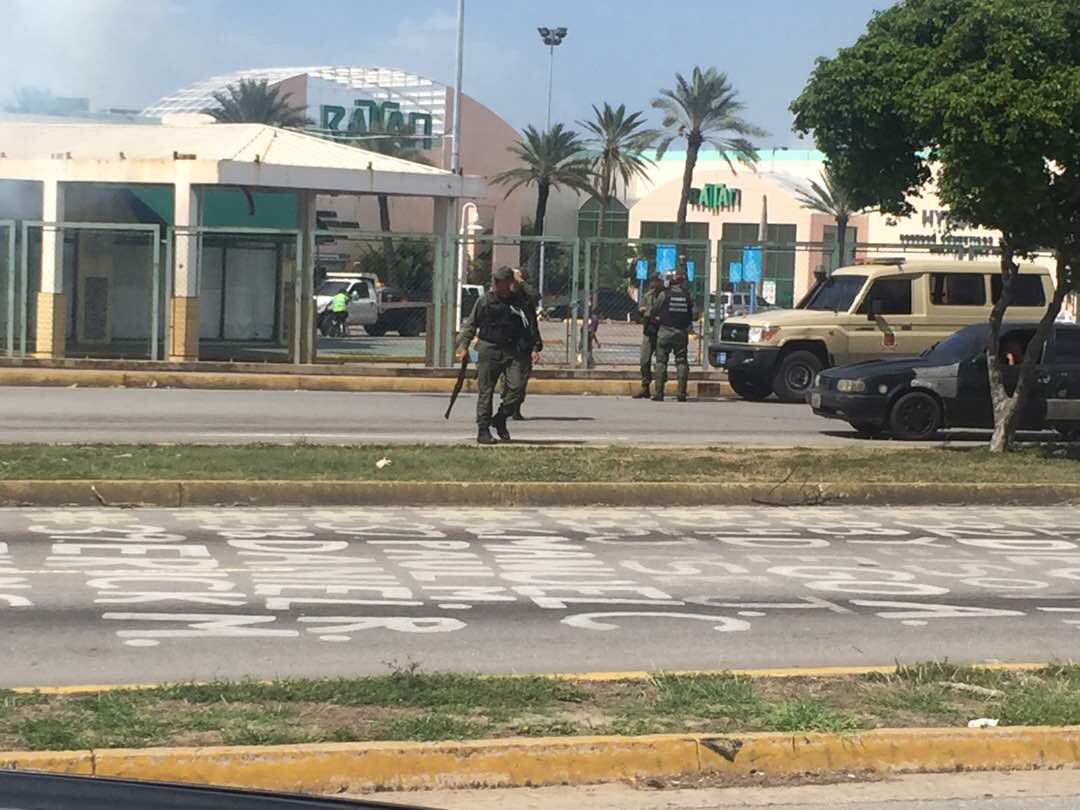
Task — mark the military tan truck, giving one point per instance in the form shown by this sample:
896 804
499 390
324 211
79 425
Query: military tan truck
883 308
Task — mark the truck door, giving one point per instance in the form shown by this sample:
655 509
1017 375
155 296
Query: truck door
1063 397
363 308
887 324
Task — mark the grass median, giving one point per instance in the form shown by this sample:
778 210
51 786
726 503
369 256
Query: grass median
1048 464
410 705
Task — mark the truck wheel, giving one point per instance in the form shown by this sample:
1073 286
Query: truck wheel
748 386
916 416
1070 433
411 328
324 325
375 329
795 375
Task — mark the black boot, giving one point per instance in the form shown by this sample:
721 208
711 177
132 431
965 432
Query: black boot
681 397
659 395
499 423
516 415
642 394
483 436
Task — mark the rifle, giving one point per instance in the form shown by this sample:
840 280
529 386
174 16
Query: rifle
458 384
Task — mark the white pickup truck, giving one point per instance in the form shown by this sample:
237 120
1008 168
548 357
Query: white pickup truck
380 309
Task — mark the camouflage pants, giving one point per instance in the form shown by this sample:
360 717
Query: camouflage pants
648 349
492 362
671 341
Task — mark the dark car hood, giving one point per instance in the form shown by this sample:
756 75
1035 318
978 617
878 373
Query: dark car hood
892 365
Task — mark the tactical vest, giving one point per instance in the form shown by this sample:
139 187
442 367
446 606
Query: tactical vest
675 310
504 323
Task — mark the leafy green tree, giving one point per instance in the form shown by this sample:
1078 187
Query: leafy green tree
983 97
549 160
831 198
251 101
616 142
704 111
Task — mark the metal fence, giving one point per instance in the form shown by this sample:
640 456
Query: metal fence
551 266
391 280
111 289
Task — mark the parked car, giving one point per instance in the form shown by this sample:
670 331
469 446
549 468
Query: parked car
947 386
888 307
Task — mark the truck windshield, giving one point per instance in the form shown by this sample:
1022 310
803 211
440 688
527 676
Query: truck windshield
835 293
332 287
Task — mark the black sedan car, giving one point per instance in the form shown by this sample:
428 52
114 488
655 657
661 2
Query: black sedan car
947 386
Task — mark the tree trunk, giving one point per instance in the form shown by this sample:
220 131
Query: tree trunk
388 243
1009 409
841 239
599 246
693 144
532 272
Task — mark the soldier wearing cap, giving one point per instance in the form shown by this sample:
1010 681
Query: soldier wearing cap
674 310
507 340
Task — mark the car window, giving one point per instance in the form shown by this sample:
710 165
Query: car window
1027 290
836 293
959 346
361 290
957 290
1067 345
894 295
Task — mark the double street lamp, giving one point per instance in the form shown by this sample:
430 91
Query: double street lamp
551 37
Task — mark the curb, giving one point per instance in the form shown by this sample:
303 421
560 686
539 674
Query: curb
271 381
341 767
176 494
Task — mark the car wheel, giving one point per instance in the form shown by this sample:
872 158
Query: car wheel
409 329
795 375
916 416
868 429
375 330
749 387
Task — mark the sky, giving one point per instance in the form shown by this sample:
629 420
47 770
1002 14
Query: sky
129 53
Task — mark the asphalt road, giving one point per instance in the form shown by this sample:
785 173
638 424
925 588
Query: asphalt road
184 415
102 596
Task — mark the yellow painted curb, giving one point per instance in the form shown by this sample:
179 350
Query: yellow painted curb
570 760
175 494
586 677
271 381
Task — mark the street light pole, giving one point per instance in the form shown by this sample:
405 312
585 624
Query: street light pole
551 37
455 154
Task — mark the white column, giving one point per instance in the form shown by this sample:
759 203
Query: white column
183 299
188 251
52 237
50 334
443 293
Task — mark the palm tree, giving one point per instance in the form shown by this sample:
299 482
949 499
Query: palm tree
831 198
615 142
251 101
549 160
704 110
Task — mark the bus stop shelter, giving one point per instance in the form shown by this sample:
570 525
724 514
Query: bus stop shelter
60 177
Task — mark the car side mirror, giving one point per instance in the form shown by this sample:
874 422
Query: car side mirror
877 306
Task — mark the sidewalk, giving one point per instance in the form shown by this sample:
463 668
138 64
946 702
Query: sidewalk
358 378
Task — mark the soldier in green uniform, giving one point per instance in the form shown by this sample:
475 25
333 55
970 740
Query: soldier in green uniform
649 327
507 341
530 298
674 310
